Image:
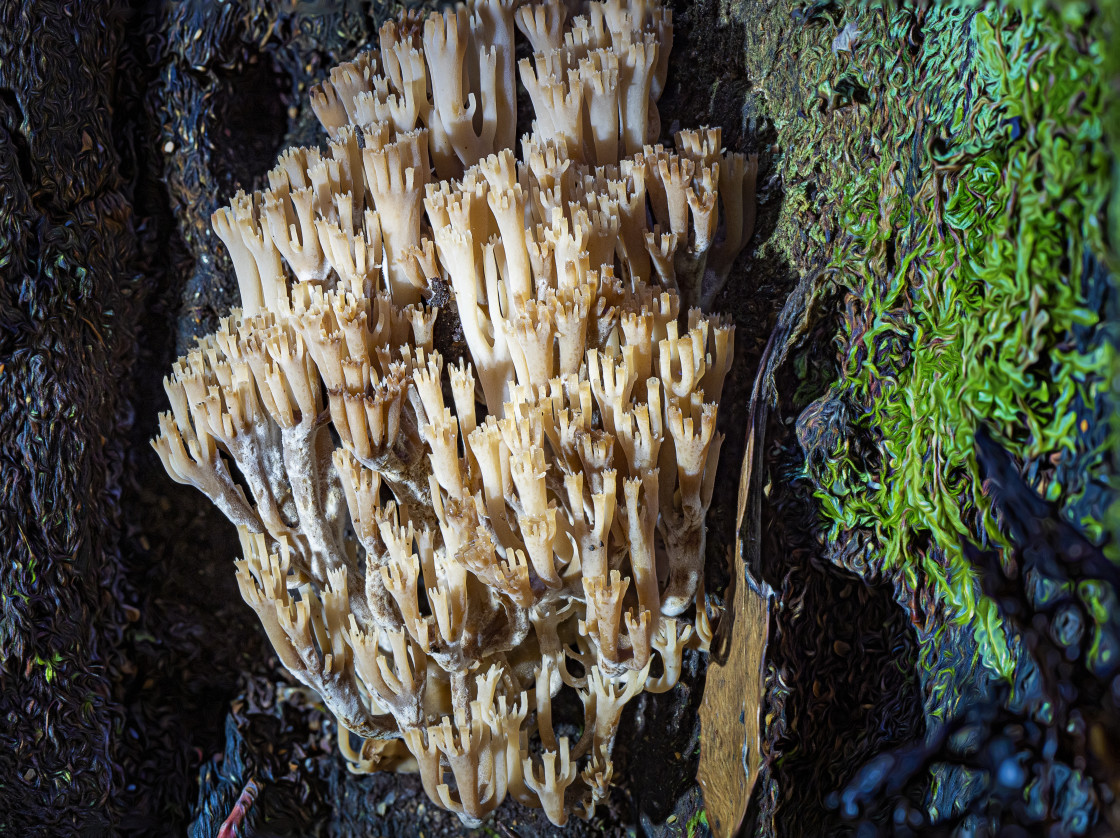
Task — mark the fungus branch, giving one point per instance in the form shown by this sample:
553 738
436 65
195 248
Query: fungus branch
429 545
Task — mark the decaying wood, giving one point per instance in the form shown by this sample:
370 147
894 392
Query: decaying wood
730 715
730 754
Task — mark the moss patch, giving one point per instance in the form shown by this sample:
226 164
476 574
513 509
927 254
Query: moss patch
955 158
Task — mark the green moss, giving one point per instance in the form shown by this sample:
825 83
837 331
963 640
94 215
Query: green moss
977 186
697 824
1110 32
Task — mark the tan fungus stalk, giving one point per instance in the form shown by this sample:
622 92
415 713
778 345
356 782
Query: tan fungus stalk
438 545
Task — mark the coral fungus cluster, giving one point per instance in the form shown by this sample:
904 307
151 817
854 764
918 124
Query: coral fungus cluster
444 527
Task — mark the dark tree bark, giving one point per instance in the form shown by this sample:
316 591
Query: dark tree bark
69 290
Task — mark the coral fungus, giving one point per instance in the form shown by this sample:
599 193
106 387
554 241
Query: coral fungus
437 547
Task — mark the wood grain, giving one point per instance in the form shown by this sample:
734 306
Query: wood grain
730 751
730 715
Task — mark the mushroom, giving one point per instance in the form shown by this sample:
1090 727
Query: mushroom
436 533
